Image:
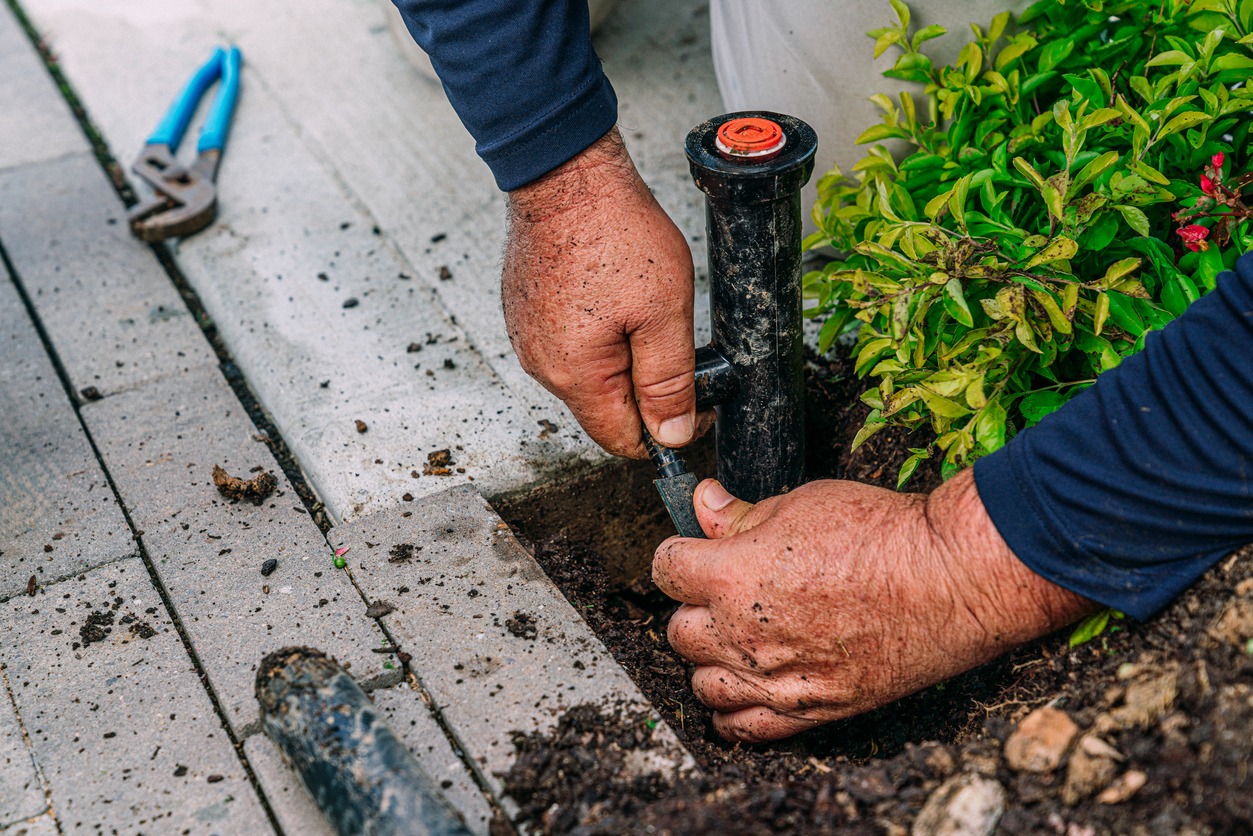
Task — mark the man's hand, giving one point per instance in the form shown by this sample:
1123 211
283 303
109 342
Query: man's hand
839 597
597 291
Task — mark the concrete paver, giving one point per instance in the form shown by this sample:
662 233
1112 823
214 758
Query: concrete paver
312 151
121 727
41 826
408 716
108 306
58 515
21 794
35 122
456 577
160 444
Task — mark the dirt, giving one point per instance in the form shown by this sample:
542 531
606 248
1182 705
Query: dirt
1164 712
523 625
438 463
255 490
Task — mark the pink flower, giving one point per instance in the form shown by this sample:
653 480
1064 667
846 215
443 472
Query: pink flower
1207 185
1194 237
1217 159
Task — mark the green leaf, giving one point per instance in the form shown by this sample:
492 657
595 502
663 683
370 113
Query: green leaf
1180 123
955 303
1090 628
1101 313
927 33
1039 404
1059 249
875 133
990 427
1055 52
902 13
1135 218
908 468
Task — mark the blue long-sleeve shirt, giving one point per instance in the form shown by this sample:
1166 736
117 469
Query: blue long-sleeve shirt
522 76
1126 495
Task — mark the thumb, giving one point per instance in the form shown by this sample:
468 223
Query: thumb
720 514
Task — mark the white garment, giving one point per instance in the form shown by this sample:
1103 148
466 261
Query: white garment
812 59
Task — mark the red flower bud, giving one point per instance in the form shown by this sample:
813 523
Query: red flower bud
1217 159
1207 185
1194 237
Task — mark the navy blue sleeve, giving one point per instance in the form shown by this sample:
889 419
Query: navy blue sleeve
521 74
1135 488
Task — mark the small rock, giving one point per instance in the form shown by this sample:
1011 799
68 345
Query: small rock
378 609
351 302
268 567
1235 624
1089 770
1040 741
444 273
964 805
90 393
1125 786
32 586
362 426
1148 697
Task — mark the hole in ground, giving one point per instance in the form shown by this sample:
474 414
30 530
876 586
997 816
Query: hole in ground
595 537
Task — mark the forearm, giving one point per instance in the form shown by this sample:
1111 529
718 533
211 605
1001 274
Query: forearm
1140 484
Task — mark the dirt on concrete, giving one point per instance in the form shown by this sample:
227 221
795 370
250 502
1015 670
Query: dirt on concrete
255 490
1162 713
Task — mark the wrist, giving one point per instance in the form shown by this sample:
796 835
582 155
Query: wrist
601 170
1012 603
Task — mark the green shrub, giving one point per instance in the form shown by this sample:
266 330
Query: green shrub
1065 189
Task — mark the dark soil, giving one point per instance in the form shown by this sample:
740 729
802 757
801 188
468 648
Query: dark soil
1173 697
522 625
255 490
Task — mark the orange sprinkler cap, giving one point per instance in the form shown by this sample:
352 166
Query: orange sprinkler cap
750 138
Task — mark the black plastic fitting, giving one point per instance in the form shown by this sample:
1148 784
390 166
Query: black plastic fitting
752 369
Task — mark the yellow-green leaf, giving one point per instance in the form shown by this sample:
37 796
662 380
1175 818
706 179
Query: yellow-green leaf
1060 248
1100 314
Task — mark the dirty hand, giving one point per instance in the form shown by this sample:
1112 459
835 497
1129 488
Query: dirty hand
840 597
597 292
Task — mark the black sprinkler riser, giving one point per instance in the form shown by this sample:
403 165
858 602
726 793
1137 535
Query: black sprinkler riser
752 370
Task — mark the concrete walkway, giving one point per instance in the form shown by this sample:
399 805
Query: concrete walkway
131 597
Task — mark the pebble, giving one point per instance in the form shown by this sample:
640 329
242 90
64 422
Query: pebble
1125 786
964 805
1091 768
1040 741
351 302
268 567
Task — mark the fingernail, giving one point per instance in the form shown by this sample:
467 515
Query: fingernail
715 497
675 432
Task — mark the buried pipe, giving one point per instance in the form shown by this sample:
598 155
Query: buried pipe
751 166
362 777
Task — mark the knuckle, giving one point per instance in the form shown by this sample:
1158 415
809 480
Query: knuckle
677 387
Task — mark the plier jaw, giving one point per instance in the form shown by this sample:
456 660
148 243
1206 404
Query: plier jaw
184 199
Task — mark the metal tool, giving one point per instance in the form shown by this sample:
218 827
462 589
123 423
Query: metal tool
185 198
676 487
361 776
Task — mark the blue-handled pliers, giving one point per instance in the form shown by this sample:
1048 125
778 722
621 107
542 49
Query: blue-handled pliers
185 199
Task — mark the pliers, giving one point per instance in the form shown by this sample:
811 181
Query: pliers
185 199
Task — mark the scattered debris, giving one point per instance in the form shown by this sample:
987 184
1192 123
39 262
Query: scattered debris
143 630
444 273
361 425
268 567
408 497
378 609
90 393
438 463
255 490
523 625
401 553
549 428
97 627
414 348
351 302
31 586
1092 766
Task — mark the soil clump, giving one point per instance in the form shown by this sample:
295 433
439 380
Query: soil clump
255 490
